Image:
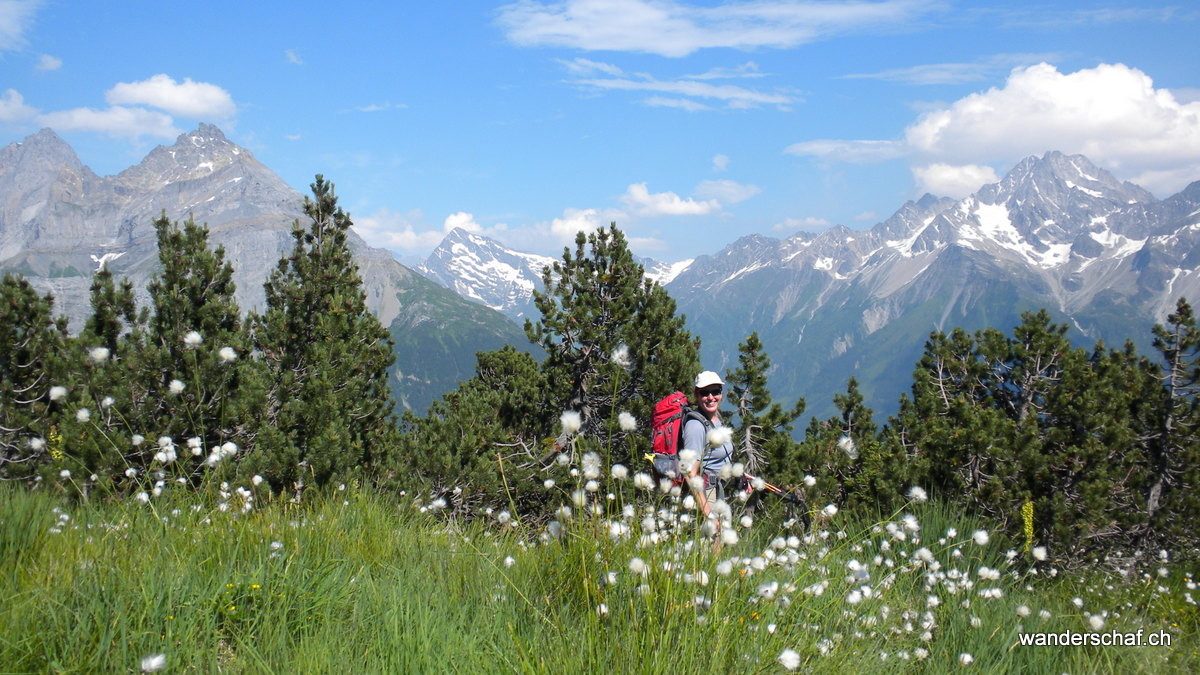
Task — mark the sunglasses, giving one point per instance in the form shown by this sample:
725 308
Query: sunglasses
710 391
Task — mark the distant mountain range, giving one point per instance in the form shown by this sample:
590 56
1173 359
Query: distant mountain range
58 220
1104 257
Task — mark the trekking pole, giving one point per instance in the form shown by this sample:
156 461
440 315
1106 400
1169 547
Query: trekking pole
773 488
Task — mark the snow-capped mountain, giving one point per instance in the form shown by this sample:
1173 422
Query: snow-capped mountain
484 270
1057 233
59 220
481 269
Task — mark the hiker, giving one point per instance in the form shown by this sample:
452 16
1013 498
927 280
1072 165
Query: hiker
708 393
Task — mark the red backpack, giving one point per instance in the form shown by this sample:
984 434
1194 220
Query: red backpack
666 434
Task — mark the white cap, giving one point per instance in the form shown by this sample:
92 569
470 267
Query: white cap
708 378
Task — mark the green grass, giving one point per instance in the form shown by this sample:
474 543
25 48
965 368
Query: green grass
365 582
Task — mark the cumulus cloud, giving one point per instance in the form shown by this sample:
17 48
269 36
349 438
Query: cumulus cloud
725 191
461 220
117 121
1112 114
574 221
673 28
195 100
953 181
638 198
13 107
720 163
15 18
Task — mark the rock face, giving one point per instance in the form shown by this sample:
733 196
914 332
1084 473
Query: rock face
58 221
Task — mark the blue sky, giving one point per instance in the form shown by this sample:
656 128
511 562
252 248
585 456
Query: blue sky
690 123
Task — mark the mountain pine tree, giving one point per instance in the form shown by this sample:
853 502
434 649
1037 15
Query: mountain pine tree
764 429
1173 495
32 343
329 408
613 341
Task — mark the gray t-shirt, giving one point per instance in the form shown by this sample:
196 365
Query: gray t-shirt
695 438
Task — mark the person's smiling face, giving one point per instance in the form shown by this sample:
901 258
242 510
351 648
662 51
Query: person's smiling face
709 399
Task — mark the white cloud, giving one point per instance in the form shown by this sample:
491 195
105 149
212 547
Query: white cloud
574 221
849 150
681 103
1111 113
733 96
725 191
461 220
15 18
748 69
293 57
115 121
806 224
196 100
397 231
585 67
48 62
13 107
955 73
945 180
673 28
720 163
638 198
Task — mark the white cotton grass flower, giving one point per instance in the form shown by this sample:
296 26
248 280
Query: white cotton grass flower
83 415
789 659
687 460
256 480
966 659
143 497
1096 622
639 567
643 481
917 494
176 387
58 393
719 436
37 444
1039 553
846 445
620 357
154 663
619 471
107 402
192 339
98 354
627 422
64 474
829 511
571 422
980 537
809 481
227 354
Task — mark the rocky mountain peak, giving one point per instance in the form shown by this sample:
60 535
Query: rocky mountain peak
195 155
